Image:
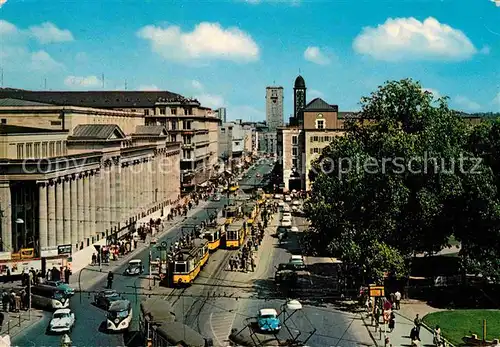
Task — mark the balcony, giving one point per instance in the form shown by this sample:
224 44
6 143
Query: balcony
187 159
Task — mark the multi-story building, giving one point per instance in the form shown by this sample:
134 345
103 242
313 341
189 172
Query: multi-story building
251 140
186 121
221 114
73 177
274 107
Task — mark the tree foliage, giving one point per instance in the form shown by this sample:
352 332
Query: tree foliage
406 177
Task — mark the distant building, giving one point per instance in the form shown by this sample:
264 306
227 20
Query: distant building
221 114
274 107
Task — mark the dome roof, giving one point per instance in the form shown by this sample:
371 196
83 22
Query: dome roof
299 82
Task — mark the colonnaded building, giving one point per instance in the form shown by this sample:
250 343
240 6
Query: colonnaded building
76 175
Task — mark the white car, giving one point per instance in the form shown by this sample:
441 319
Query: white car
288 198
62 321
286 223
281 203
278 196
294 229
286 215
296 203
297 260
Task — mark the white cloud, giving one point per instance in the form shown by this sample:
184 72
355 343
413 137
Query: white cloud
206 41
42 61
486 49
315 55
245 112
435 93
83 81
409 39
149 88
497 2
196 85
466 104
8 30
2 2
49 33
496 99
210 100
256 2
313 93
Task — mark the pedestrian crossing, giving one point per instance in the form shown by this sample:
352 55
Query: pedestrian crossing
221 324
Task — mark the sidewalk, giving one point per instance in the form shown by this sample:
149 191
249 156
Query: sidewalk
14 323
404 323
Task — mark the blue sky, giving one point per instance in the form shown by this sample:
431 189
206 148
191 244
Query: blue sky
226 52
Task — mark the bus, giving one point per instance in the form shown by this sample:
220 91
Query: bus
49 297
119 315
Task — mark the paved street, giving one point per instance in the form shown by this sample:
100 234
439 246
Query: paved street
88 330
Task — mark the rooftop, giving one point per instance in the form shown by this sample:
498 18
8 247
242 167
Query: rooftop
98 99
319 104
97 132
150 130
17 129
19 102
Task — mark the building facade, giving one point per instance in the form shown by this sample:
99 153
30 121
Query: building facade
274 107
186 121
78 176
221 114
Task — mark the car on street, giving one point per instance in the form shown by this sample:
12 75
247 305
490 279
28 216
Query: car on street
64 287
296 203
297 260
134 267
216 197
281 203
286 223
62 321
294 229
105 298
268 320
278 196
287 215
288 198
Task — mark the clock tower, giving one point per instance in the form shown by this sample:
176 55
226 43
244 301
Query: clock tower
299 99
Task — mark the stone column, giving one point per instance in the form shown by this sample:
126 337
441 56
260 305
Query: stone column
93 207
120 215
74 209
59 212
51 207
106 193
67 211
42 216
142 183
81 208
128 192
112 193
99 203
133 180
161 168
6 208
86 208
154 180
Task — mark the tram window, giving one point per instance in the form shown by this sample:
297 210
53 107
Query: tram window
232 235
180 267
210 237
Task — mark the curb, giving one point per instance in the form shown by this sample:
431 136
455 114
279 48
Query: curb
369 331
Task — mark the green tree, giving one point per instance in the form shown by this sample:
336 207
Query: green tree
393 186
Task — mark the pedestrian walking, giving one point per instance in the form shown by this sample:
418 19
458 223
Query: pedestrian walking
231 263
397 297
392 322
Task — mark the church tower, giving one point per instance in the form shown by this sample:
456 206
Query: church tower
299 99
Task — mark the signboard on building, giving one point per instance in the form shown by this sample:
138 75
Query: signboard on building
47 252
64 249
377 291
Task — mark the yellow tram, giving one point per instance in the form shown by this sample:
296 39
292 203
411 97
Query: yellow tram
188 262
231 213
233 187
213 234
235 235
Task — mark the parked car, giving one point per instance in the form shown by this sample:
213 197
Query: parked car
268 320
278 196
297 260
288 198
62 321
134 268
64 287
296 203
105 298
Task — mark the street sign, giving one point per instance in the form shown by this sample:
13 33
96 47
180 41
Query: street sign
387 315
64 249
377 291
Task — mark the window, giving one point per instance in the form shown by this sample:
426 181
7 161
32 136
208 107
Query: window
295 140
44 149
187 140
29 150
294 162
316 150
132 110
186 124
223 131
173 111
162 111
55 122
312 151
295 151
20 151
4 121
186 154
174 138
52 151
146 112
174 125
320 123
37 150
236 143
315 139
